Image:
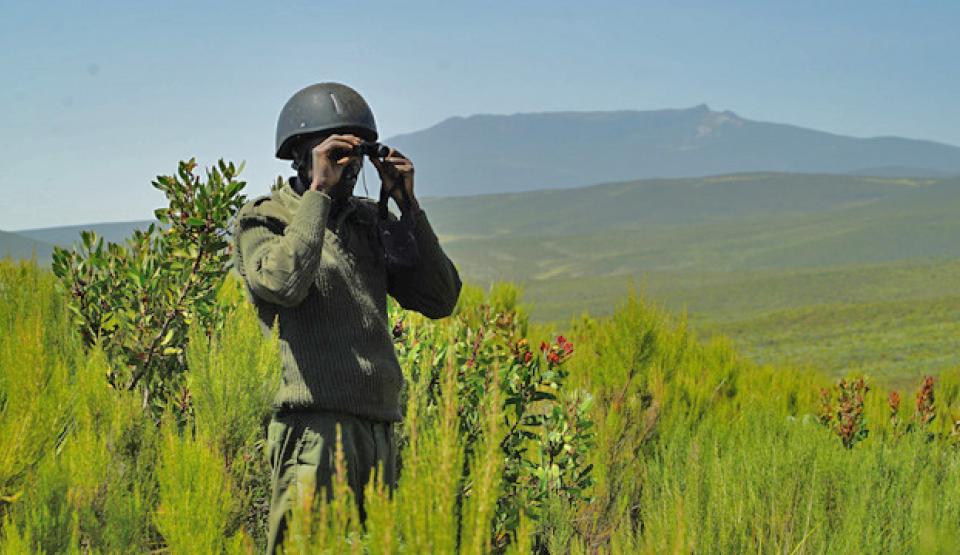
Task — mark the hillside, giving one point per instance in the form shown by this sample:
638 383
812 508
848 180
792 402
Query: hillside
674 202
116 232
735 223
510 153
16 245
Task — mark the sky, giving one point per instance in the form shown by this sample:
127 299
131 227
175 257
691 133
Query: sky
100 97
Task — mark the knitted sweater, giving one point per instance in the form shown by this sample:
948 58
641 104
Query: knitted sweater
322 278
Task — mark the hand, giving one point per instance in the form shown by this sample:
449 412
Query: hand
326 170
397 168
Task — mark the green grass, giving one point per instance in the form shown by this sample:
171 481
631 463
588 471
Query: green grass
704 399
895 321
893 341
834 272
697 449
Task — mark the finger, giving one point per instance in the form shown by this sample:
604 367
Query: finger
328 146
394 153
399 161
381 170
346 137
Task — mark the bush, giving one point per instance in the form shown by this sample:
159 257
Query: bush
137 302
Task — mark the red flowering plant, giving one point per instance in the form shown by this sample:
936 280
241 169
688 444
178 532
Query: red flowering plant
896 424
546 430
925 406
926 412
841 410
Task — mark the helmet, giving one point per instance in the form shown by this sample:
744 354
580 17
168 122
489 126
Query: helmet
323 107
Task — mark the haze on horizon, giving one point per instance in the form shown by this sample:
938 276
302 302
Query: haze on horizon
100 97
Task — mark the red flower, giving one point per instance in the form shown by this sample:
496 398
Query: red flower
544 346
894 401
527 356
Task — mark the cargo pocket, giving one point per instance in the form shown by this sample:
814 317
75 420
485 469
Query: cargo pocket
277 433
311 459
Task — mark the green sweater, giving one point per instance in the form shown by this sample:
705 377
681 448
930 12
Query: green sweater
322 278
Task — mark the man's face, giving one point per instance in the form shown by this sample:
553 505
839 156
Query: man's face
348 179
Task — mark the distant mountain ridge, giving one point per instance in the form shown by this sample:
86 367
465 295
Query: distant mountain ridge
116 232
15 245
521 152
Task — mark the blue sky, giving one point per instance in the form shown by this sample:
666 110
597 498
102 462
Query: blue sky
100 97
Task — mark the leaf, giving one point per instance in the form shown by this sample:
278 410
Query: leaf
544 396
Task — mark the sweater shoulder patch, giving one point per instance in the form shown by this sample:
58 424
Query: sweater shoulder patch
265 207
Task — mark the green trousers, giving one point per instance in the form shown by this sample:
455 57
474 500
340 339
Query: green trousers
301 447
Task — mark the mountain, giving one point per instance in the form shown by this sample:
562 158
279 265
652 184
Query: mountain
17 246
513 153
65 236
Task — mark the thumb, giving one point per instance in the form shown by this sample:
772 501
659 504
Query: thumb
377 164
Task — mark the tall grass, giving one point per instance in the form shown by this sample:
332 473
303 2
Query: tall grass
696 450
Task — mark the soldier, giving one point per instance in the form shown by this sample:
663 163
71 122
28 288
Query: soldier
319 262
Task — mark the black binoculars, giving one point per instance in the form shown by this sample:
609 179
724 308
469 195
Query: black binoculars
371 149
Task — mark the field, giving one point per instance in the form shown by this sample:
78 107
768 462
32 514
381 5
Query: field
894 321
838 273
694 448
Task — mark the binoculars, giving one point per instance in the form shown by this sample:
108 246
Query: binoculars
371 149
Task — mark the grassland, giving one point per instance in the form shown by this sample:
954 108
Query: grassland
696 449
895 321
838 273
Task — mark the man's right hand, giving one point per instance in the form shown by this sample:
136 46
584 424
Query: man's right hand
326 170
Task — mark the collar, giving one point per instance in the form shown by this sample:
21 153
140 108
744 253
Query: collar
339 211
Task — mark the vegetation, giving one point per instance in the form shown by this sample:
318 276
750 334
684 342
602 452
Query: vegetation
842 273
136 302
624 433
894 321
693 448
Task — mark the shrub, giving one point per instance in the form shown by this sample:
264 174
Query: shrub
138 301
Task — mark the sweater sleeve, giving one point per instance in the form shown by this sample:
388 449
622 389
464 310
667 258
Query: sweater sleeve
432 286
279 263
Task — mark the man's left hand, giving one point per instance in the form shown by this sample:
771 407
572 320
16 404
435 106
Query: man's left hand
397 168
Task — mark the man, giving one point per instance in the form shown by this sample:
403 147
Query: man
320 263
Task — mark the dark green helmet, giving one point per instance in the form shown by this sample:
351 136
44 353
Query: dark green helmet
323 107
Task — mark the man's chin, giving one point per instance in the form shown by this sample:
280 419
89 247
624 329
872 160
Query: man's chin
343 190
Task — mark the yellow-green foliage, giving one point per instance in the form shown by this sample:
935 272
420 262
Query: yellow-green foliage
697 450
33 379
194 496
232 380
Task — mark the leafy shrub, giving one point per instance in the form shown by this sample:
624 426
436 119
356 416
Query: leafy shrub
545 429
137 302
